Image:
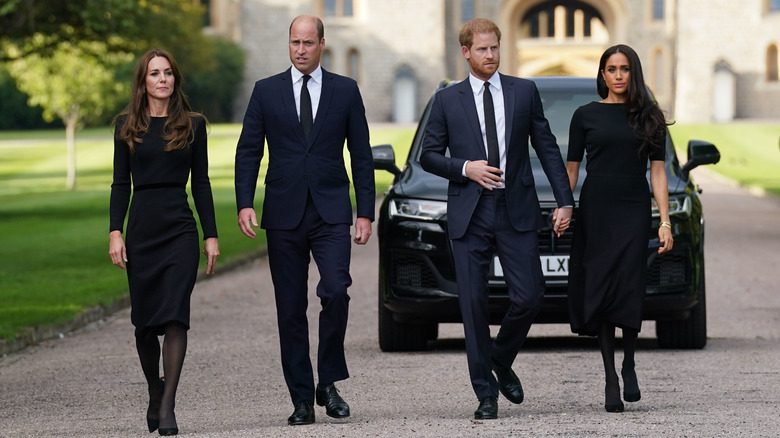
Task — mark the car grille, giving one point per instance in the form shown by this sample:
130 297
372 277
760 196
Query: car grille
550 244
412 271
668 269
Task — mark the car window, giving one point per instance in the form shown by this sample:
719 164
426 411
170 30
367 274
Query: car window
559 106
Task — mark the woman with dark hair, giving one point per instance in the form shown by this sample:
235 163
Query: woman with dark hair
609 253
160 142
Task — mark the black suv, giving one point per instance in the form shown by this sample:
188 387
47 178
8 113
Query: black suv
417 279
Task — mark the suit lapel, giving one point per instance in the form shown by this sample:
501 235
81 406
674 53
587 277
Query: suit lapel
326 94
467 99
288 100
507 84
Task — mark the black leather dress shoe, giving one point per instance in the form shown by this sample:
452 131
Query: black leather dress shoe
508 383
303 414
487 410
328 396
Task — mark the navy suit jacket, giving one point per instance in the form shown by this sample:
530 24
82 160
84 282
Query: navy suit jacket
297 167
454 124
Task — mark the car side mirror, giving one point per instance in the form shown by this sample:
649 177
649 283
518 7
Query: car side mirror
700 152
384 158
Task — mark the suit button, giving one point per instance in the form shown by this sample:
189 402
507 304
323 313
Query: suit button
305 176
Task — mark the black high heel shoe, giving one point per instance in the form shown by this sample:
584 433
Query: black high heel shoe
170 431
612 401
154 406
630 384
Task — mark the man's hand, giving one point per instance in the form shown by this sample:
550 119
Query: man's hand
561 219
362 230
246 220
486 176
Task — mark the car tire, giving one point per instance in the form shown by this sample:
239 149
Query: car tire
690 333
395 336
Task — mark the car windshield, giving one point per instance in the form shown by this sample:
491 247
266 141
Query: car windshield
559 106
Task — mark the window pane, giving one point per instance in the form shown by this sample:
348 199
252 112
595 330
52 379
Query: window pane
466 10
774 5
658 9
354 65
348 8
326 59
329 8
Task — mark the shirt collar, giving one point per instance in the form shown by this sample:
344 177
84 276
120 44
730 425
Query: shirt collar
316 75
478 84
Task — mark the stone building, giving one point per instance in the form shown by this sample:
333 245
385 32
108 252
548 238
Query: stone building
705 60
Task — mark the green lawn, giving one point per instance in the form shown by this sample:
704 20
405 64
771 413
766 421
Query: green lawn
54 260
749 152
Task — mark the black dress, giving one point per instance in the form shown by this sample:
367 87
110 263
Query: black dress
162 238
608 262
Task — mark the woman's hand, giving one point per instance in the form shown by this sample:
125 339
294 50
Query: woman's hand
665 236
211 250
116 249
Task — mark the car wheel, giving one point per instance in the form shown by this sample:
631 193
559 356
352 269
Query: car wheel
690 333
395 336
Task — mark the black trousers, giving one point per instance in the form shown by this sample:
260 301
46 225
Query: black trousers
489 233
289 256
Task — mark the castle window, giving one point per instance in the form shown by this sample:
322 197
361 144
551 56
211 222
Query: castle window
771 64
326 60
658 9
562 19
353 64
658 71
338 8
466 10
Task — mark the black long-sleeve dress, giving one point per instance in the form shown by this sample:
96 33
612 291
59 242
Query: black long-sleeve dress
162 238
608 265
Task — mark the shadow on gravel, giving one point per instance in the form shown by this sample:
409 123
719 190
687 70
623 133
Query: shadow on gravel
545 343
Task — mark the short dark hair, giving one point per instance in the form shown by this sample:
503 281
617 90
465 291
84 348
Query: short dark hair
477 25
318 22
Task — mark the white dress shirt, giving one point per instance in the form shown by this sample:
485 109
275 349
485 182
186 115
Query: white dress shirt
478 88
315 89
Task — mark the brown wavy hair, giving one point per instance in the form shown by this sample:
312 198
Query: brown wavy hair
644 115
177 132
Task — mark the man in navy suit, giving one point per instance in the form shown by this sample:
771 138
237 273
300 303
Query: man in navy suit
486 122
306 114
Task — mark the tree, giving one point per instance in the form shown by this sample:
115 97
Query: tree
124 25
74 83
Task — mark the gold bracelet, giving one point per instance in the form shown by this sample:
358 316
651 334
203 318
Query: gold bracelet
667 225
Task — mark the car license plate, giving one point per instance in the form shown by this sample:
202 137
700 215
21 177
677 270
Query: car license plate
552 266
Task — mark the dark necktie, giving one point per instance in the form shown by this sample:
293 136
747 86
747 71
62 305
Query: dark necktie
491 133
307 121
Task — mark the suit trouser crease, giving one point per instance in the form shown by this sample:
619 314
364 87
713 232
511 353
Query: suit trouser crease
490 232
289 256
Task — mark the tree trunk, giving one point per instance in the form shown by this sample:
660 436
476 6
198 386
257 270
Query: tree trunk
70 139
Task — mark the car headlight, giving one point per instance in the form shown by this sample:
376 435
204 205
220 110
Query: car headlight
678 206
420 209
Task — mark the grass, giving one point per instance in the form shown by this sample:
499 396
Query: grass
54 260
750 152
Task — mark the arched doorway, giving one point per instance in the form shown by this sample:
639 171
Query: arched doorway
558 37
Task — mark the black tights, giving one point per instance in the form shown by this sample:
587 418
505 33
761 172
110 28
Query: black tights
173 351
606 338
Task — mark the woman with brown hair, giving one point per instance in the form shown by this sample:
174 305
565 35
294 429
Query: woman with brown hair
160 143
608 259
